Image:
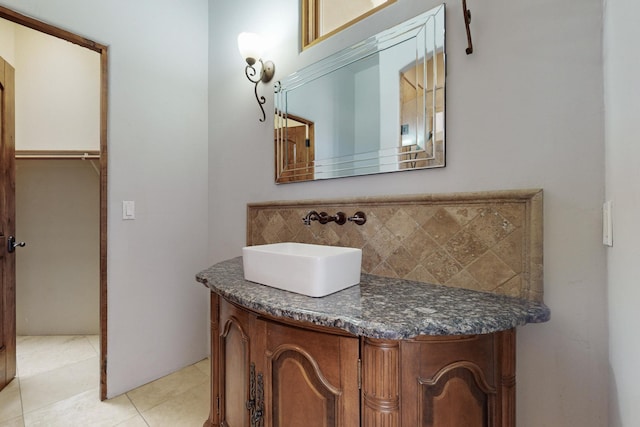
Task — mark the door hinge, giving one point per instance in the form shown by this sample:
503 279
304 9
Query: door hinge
359 374
218 405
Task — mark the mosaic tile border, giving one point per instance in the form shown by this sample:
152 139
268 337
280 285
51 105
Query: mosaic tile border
488 241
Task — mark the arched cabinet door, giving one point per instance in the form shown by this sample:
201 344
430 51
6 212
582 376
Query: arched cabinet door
311 378
458 395
459 381
300 391
235 346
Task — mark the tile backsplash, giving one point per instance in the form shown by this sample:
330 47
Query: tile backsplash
488 241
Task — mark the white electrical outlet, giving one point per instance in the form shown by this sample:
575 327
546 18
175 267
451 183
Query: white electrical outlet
607 224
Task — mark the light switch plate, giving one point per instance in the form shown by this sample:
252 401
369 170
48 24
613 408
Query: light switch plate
607 224
128 209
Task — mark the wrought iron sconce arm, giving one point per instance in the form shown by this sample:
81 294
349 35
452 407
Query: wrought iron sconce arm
267 70
251 47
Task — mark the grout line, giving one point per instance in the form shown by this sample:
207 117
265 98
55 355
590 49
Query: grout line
42 353
88 338
137 410
17 378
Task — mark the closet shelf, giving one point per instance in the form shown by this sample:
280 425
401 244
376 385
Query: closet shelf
57 154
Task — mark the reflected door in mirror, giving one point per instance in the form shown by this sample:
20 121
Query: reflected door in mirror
422 91
295 150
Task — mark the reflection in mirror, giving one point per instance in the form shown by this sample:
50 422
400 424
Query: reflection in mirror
412 95
376 107
298 145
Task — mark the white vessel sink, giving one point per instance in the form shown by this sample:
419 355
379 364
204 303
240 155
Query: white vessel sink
312 270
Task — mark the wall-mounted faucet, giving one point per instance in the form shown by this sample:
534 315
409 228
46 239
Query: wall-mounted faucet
310 216
323 218
339 218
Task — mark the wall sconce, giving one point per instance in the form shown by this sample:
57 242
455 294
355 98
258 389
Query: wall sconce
250 46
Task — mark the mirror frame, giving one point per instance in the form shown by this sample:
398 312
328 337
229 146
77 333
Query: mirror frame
397 157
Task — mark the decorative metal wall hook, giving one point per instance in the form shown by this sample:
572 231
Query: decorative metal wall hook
467 22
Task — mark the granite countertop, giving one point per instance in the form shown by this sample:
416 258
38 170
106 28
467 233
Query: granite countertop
380 307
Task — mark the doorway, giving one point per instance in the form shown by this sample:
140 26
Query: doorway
100 161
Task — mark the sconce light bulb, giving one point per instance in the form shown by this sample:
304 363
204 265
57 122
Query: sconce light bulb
250 47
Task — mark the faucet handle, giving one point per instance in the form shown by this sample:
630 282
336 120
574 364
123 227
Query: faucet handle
359 218
339 218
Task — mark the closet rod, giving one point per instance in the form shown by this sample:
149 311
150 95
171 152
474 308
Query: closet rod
57 154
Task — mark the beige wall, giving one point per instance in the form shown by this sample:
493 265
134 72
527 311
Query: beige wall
57 90
7 44
57 93
57 210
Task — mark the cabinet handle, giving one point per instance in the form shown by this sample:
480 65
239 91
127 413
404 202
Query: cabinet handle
255 404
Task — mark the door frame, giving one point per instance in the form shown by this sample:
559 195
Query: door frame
51 30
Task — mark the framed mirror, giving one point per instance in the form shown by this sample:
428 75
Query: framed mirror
376 107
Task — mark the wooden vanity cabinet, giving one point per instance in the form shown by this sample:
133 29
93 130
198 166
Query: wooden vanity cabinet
268 373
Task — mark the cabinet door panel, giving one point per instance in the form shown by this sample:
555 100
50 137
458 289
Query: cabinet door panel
235 376
312 378
454 380
235 350
301 396
457 397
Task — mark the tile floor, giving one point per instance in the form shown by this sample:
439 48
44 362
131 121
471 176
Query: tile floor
57 385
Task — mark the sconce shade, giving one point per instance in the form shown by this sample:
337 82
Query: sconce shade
250 46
